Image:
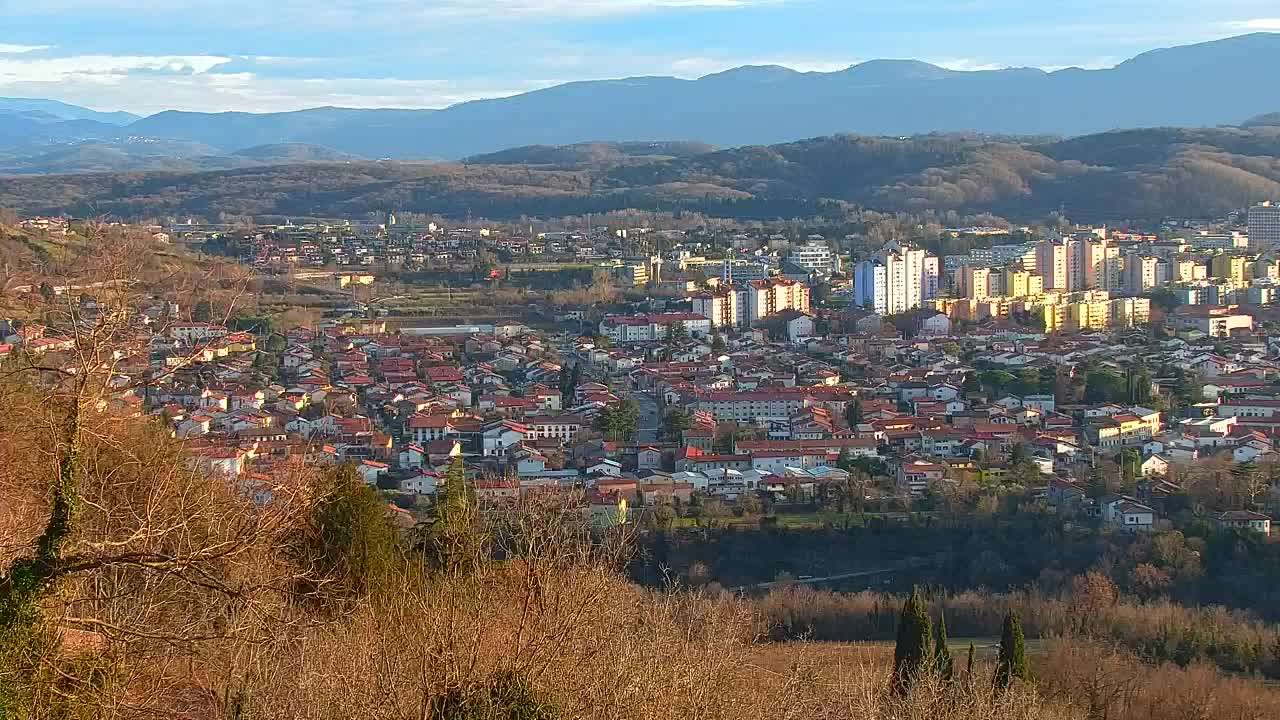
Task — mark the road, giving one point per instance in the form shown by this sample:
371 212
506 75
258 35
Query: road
819 580
649 424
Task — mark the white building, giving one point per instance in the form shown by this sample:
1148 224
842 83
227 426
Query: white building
623 329
814 256
898 279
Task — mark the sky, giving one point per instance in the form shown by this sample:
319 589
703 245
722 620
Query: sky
145 56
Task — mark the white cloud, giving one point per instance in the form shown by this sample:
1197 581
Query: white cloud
151 92
1257 25
695 67
10 49
102 69
966 64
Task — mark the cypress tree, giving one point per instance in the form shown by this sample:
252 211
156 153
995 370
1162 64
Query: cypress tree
941 652
454 542
1012 662
912 650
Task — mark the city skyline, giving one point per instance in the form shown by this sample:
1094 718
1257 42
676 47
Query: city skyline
132 55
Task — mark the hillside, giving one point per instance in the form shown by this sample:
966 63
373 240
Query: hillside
1137 174
147 155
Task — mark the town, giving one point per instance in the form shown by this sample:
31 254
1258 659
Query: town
725 377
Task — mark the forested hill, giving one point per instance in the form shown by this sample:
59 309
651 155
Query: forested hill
1136 174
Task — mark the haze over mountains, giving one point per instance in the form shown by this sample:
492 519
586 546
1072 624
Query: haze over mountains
1220 82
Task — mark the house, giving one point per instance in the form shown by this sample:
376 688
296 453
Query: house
1128 513
648 458
916 474
1154 465
1245 520
371 470
1250 447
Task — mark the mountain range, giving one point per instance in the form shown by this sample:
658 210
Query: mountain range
1208 84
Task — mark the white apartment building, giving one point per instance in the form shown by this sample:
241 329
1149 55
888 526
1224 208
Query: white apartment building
623 329
814 256
898 279
1264 226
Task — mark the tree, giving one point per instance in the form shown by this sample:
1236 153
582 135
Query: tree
46 292
676 421
718 344
677 333
618 421
1104 386
845 460
453 542
1012 660
853 413
968 666
911 653
347 542
942 661
1098 487
202 312
276 344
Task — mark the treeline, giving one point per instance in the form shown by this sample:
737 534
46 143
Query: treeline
1157 631
1033 550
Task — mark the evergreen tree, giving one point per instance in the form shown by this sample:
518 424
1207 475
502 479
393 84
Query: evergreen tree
347 541
1012 662
1097 482
845 460
968 668
453 542
941 652
912 650
853 412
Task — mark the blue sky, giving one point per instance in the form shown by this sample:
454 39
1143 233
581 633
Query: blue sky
268 55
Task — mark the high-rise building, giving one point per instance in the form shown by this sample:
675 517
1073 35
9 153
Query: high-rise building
814 256
720 306
899 278
1264 226
1141 272
1228 266
1051 264
766 297
1020 283
975 282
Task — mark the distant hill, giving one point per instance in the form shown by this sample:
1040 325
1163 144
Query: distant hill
1144 174
63 111
146 154
1266 120
1203 85
288 153
591 155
